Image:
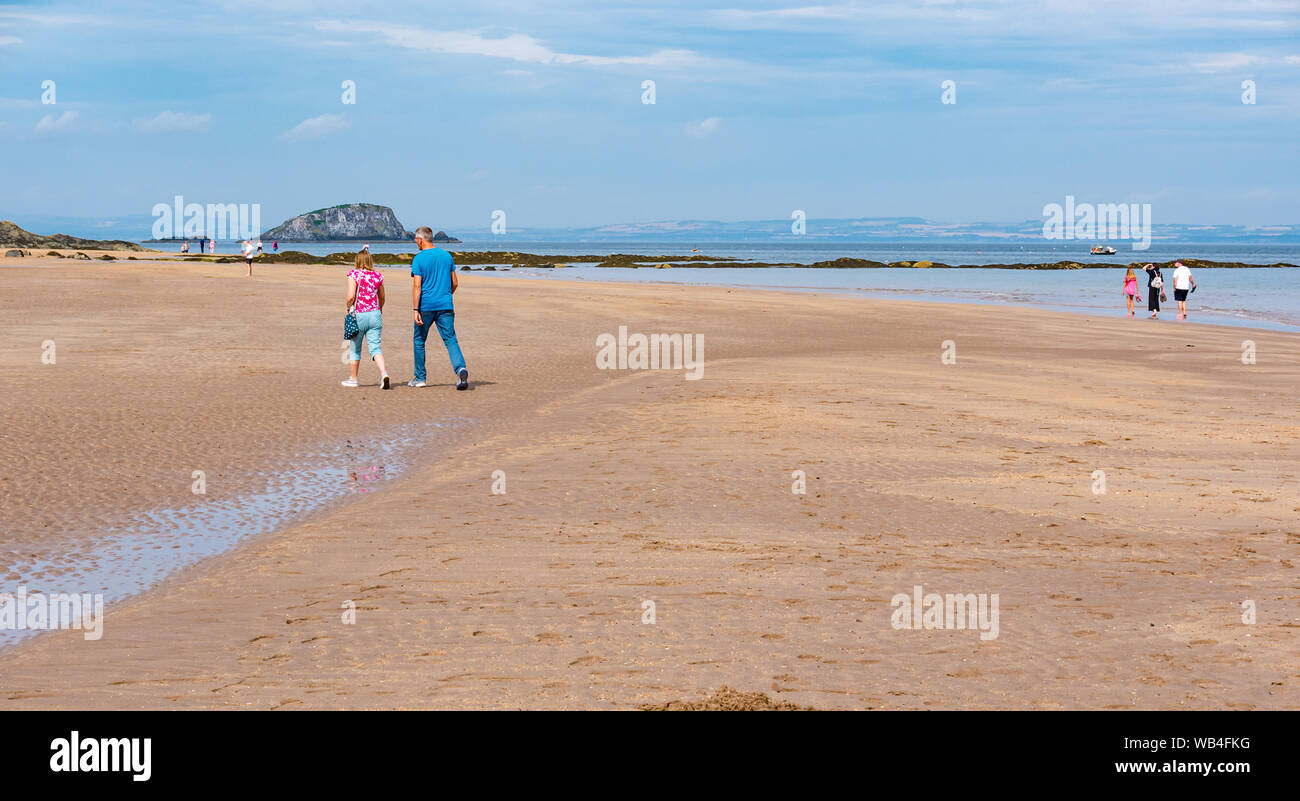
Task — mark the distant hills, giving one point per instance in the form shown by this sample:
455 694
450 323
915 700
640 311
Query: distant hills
830 230
881 229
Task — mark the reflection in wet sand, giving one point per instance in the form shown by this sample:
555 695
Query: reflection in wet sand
142 549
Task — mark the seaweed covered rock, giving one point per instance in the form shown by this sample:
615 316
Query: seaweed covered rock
291 257
845 262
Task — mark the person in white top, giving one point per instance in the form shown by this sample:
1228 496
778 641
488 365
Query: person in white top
1183 283
248 256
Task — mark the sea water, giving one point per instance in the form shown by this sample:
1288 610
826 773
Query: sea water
1261 297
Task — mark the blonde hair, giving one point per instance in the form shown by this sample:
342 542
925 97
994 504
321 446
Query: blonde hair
363 261
1130 274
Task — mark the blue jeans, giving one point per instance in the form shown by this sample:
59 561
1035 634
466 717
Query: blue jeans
445 319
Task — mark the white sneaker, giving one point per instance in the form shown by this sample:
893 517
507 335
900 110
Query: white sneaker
350 382
383 381
414 383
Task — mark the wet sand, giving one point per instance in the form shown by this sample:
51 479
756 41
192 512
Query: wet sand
626 487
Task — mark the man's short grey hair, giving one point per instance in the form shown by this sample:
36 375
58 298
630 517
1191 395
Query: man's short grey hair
424 232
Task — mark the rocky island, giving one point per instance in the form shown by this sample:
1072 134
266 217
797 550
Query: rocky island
350 221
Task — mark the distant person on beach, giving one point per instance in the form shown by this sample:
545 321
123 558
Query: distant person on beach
275 246
1131 289
185 246
259 248
1155 289
366 301
1183 284
434 275
248 256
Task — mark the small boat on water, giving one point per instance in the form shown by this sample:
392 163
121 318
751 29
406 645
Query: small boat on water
1102 250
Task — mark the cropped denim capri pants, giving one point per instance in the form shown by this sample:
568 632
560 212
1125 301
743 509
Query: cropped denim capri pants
369 326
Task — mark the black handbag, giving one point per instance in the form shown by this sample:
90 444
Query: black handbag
349 325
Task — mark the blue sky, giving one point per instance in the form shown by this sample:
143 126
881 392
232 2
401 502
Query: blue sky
761 108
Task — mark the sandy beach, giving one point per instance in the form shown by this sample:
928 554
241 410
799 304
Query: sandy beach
624 487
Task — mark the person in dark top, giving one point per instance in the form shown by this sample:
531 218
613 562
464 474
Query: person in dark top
1155 288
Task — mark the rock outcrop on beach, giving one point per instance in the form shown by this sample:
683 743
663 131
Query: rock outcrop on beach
728 700
363 221
12 235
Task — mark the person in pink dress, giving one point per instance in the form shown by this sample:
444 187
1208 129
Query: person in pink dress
1130 289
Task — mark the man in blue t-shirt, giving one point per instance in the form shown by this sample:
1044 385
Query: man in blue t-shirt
434 275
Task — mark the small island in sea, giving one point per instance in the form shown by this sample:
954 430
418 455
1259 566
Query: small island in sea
350 221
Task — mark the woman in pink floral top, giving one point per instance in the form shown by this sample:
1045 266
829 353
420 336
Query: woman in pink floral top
366 294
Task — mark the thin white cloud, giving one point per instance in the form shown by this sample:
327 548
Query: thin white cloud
1233 62
928 12
776 17
316 127
1017 18
516 47
45 19
9 40
175 122
1223 62
704 128
51 124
